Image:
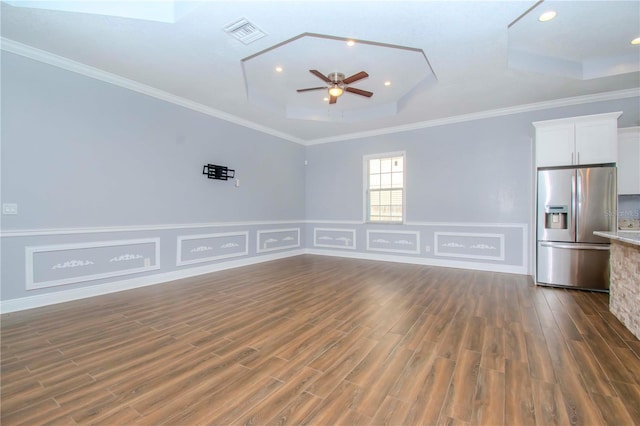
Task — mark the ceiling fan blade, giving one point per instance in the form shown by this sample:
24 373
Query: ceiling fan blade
312 88
320 75
333 99
359 92
355 77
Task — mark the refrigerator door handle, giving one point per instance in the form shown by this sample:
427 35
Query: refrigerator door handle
574 204
575 246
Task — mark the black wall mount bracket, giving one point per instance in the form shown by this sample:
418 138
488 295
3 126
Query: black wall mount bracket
218 172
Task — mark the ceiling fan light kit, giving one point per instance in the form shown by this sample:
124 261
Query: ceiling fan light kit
335 90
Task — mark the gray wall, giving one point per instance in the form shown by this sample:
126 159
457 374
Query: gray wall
469 193
475 171
466 172
79 152
82 153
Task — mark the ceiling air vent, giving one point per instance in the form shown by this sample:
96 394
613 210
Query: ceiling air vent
244 31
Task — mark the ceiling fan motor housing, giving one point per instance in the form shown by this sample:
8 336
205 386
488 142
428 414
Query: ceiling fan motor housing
336 77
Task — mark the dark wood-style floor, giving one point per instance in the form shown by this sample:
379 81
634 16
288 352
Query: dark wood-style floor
324 341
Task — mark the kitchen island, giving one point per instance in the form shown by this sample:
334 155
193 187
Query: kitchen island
624 289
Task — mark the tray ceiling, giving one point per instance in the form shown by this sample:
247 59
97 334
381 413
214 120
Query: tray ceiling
444 59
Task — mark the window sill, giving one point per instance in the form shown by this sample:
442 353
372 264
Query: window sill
383 223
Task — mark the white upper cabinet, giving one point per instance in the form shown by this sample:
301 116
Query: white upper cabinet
629 160
589 139
555 145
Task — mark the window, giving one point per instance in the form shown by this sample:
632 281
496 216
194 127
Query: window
384 187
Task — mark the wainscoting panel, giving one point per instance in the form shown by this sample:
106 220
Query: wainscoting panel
209 247
54 265
500 247
277 239
334 238
469 245
47 266
57 265
394 241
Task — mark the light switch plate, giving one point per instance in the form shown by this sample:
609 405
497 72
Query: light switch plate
9 208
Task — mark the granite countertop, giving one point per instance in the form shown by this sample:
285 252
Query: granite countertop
625 236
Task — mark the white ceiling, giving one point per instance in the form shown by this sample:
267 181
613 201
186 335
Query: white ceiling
480 63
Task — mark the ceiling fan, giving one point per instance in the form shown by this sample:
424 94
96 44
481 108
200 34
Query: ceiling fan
337 84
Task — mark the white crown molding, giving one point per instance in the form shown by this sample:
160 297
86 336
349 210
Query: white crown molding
98 74
556 103
80 68
99 230
630 130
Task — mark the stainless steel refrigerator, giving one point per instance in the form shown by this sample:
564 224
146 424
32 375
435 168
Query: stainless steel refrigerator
572 203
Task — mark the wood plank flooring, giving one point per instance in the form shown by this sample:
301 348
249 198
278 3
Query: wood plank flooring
318 340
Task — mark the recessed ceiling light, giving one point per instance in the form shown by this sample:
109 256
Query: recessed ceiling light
351 43
547 16
635 40
387 83
278 69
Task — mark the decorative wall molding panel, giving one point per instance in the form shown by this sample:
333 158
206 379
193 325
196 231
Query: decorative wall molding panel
209 247
334 238
469 245
67 295
277 239
394 241
54 265
54 258
500 247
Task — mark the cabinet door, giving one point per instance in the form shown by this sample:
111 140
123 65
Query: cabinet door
555 145
629 161
597 141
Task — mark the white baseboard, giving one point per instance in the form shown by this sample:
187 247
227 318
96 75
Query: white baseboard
29 302
477 266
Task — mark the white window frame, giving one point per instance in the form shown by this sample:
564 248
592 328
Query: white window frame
365 192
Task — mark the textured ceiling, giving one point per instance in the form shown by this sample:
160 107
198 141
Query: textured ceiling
467 45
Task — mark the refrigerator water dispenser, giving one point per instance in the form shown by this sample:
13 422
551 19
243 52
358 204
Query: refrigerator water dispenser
555 217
